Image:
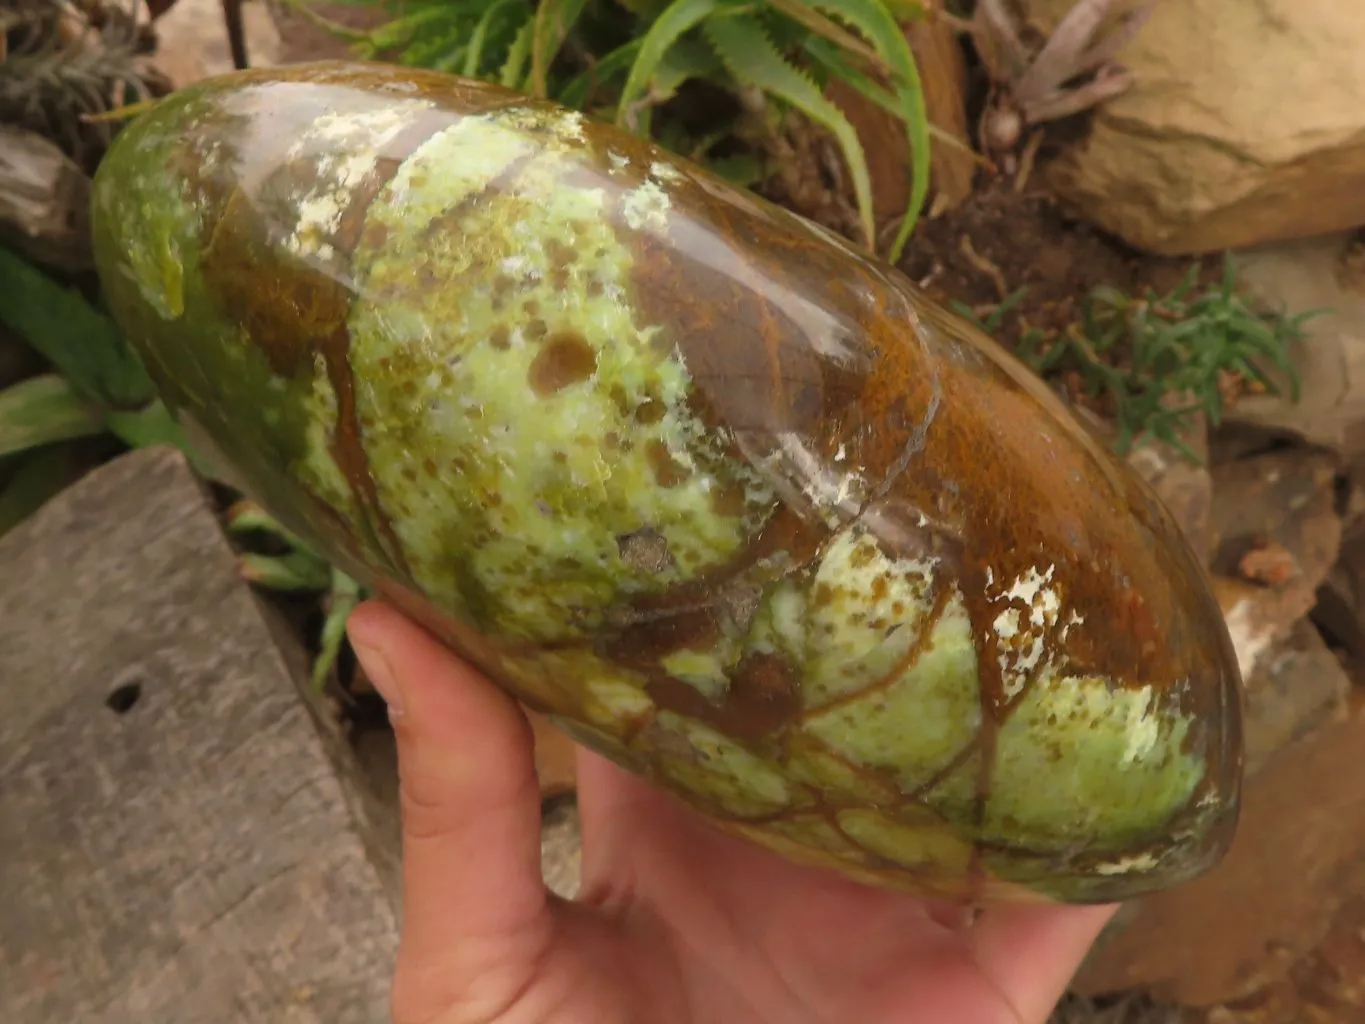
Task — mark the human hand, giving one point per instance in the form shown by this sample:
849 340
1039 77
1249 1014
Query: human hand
676 922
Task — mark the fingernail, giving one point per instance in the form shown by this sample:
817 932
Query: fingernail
379 673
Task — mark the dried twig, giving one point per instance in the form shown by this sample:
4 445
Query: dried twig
1030 92
984 265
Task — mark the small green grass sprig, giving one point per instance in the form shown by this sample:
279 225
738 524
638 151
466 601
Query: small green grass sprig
1156 362
282 562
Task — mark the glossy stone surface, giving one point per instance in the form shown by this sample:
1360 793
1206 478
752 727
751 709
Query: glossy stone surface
733 503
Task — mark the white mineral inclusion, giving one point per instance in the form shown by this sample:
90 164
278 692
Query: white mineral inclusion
1022 628
1140 862
646 207
344 147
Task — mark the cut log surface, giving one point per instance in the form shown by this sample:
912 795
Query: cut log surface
174 844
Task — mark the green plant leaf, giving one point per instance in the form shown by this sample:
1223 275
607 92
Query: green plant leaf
80 341
299 570
875 22
514 67
478 38
678 18
153 424
400 30
554 19
43 410
752 60
344 595
577 91
245 517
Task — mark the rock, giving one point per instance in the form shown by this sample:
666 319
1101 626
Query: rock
561 854
176 844
1184 487
192 42
1340 608
1294 862
1327 986
1284 497
1297 277
1296 688
1244 125
44 202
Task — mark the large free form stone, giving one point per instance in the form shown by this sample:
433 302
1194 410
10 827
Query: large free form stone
1245 125
736 504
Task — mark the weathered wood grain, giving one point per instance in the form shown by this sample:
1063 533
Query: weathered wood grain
174 845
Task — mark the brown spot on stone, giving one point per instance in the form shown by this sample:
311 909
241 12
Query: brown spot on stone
668 472
645 549
728 500
537 329
764 697
651 410
565 359
561 254
501 338
502 285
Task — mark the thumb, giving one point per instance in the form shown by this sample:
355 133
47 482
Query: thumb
475 910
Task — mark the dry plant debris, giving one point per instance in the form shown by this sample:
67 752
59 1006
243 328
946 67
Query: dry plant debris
1074 70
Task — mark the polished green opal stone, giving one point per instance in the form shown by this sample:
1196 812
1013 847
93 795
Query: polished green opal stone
728 499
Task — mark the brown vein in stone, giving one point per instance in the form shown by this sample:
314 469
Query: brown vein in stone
348 447
870 774
923 635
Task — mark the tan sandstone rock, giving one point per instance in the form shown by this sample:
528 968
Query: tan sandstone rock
1245 124
1324 276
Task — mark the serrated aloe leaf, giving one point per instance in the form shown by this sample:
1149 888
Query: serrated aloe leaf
517 54
673 22
753 61
878 25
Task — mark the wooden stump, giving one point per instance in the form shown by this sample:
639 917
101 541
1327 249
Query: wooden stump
174 843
